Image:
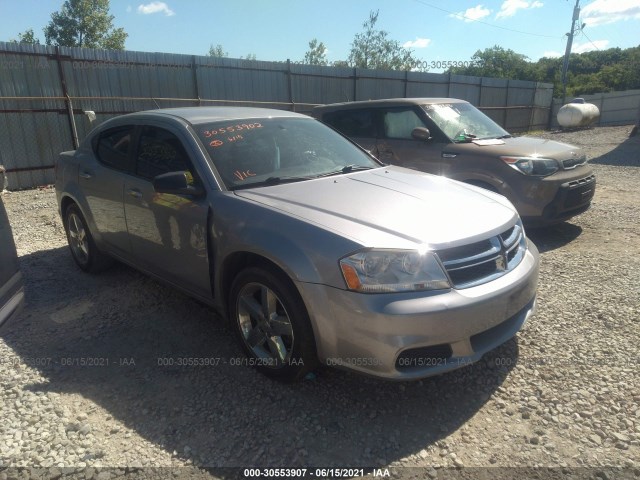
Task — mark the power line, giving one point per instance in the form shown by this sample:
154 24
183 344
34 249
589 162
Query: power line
594 45
455 14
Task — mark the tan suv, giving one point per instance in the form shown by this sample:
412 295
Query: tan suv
548 182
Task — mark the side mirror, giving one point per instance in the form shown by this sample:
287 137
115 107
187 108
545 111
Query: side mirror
175 183
421 133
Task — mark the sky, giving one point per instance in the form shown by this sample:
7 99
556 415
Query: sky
276 30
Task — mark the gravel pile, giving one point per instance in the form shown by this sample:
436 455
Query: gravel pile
91 379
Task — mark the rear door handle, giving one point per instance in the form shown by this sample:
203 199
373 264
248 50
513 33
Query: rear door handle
135 193
85 174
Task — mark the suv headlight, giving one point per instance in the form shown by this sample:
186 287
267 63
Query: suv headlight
384 271
539 167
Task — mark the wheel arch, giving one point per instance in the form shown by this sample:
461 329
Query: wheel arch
482 183
66 199
238 261
65 202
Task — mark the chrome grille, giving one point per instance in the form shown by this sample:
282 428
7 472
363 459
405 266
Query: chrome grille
574 162
483 261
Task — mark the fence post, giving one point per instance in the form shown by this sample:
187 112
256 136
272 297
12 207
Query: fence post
355 84
551 106
290 86
196 88
533 105
406 82
505 110
65 94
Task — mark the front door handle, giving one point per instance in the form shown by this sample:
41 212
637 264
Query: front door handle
85 174
135 193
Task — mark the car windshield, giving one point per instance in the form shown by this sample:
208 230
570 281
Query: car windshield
462 122
268 151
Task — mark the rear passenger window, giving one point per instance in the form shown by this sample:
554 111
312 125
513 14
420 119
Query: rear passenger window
400 123
114 146
352 123
160 151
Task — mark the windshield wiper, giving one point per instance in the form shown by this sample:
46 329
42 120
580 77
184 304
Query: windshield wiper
504 136
345 169
270 181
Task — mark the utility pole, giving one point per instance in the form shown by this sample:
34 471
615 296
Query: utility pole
565 64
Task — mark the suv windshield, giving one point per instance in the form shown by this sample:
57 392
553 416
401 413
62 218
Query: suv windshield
462 122
268 151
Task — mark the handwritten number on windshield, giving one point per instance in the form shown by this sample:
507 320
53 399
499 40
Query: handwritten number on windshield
231 129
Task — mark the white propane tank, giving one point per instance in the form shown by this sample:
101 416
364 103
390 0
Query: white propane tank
577 114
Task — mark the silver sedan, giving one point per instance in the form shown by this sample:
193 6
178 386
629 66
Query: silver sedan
315 252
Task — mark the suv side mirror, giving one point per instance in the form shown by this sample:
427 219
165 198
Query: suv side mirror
421 133
175 183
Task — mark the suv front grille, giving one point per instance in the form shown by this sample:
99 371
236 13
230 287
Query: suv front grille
483 261
580 192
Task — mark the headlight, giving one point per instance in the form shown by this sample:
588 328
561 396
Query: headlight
383 271
539 167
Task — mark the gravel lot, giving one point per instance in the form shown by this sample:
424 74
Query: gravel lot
564 393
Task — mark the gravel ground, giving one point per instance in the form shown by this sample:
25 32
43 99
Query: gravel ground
85 387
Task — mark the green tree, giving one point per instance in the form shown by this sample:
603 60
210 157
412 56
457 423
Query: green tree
497 62
250 56
27 37
374 49
598 71
84 23
317 53
217 51
615 77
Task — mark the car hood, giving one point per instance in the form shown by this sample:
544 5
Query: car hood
392 207
524 147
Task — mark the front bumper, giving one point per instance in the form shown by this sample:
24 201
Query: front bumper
572 199
376 334
556 198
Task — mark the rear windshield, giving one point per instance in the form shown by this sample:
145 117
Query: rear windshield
260 151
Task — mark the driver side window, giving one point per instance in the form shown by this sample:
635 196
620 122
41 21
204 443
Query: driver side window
399 124
160 151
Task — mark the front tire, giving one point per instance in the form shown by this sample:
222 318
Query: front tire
81 243
272 324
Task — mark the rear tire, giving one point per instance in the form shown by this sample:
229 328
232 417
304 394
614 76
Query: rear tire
272 324
81 243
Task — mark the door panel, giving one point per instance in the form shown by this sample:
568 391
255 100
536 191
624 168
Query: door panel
102 181
167 232
415 154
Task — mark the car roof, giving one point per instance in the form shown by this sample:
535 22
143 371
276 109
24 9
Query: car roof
196 115
388 102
